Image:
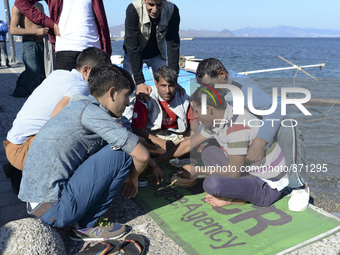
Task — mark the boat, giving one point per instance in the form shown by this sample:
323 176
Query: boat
188 66
187 39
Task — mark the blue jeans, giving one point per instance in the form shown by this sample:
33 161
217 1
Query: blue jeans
33 58
87 195
4 50
153 64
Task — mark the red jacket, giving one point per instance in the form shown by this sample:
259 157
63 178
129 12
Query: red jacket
27 8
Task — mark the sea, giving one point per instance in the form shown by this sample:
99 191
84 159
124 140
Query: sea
321 130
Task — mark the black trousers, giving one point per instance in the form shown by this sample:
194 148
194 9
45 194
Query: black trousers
66 60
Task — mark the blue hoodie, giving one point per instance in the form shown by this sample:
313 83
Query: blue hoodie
3 30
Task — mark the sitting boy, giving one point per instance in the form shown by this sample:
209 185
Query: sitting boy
81 158
166 116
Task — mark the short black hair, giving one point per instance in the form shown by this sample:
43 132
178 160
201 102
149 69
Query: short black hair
168 74
210 67
216 97
91 57
103 77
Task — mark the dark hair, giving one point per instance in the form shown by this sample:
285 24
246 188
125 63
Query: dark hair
91 57
210 67
103 77
168 74
197 97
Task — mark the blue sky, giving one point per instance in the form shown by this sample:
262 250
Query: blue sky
232 15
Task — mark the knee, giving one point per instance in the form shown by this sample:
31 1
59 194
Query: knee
212 184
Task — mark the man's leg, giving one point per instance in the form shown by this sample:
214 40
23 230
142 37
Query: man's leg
16 153
248 188
3 49
34 74
155 63
126 118
91 189
290 140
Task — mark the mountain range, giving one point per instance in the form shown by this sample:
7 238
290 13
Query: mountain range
278 31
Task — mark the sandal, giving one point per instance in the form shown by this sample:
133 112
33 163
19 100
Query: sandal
132 245
101 248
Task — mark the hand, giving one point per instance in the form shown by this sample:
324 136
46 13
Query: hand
41 32
143 92
130 187
256 150
158 173
181 90
56 30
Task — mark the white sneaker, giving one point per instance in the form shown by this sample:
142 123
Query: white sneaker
299 200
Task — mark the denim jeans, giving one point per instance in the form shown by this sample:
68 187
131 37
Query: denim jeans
87 195
33 58
3 50
153 64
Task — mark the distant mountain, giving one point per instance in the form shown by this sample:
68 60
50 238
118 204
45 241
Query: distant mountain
285 31
205 33
278 31
117 31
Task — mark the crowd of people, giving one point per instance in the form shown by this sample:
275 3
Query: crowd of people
90 130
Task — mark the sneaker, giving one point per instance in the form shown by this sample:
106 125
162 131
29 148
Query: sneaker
103 231
299 200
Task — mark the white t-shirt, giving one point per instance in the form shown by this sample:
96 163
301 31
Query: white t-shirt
38 108
77 26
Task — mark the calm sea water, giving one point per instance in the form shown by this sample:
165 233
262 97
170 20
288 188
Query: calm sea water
247 54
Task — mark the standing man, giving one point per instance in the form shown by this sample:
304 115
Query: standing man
32 51
78 25
3 32
151 36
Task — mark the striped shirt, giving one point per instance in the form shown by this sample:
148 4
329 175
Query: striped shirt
236 133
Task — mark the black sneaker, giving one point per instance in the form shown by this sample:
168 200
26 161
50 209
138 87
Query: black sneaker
103 231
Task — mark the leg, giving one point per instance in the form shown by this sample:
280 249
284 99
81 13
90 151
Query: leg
33 65
16 153
291 142
126 118
90 191
248 188
155 63
213 155
3 49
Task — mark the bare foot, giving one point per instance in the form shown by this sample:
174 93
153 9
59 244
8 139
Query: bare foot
221 202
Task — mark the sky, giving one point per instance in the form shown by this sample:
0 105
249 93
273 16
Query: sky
232 15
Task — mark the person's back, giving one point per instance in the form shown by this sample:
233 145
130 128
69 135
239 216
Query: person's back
77 27
47 100
82 24
38 108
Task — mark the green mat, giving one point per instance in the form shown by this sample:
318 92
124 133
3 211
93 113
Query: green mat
239 229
